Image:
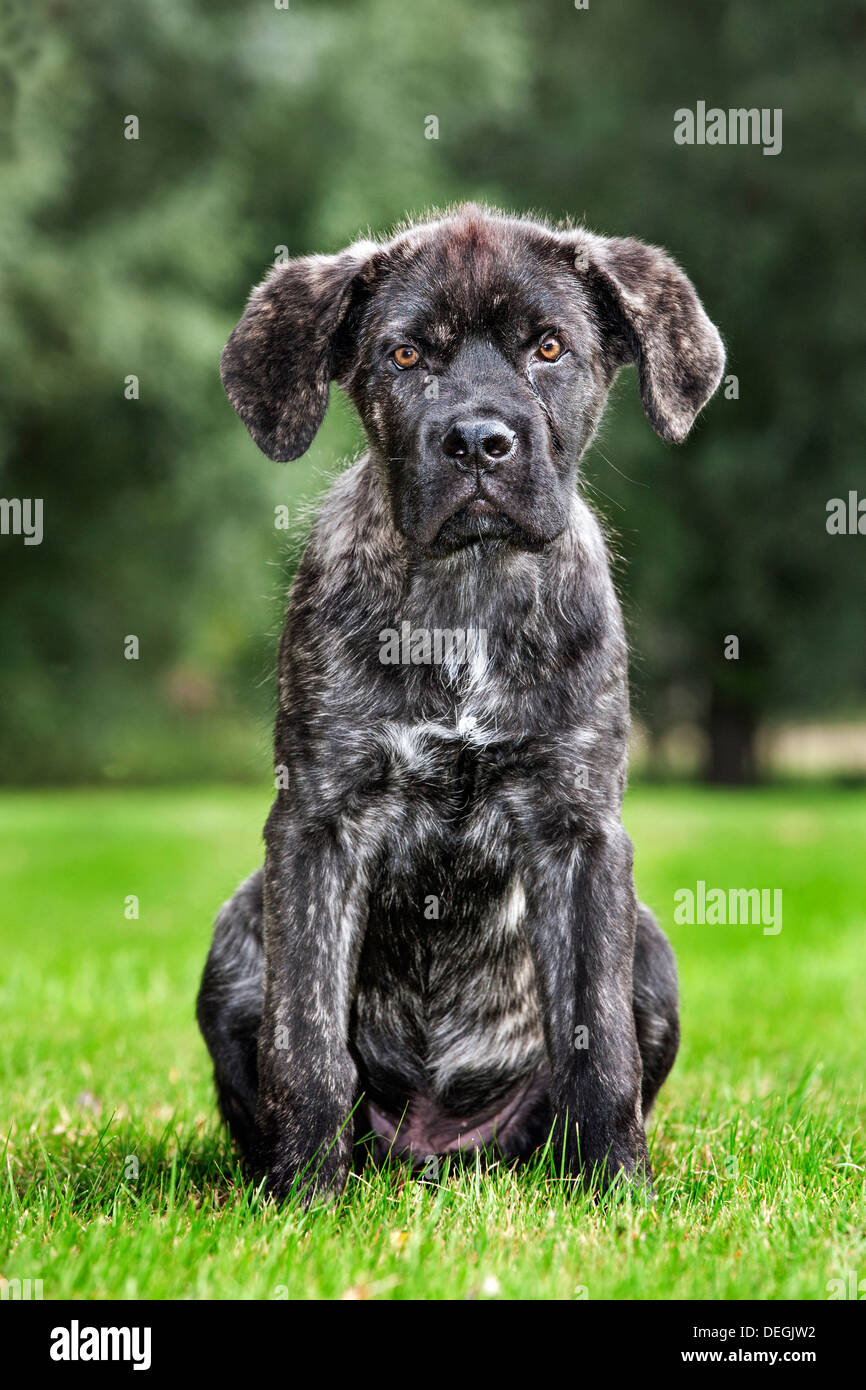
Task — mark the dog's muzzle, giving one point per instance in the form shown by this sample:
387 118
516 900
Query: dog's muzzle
479 444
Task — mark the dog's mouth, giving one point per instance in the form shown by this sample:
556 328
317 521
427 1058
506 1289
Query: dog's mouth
485 513
484 502
476 522
481 506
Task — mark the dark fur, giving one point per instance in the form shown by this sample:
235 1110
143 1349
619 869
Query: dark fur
334 1004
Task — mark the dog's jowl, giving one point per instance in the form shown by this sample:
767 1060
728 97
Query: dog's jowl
444 951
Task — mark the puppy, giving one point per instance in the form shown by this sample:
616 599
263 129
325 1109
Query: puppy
444 951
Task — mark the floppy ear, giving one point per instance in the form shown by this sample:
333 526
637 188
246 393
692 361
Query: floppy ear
278 363
652 316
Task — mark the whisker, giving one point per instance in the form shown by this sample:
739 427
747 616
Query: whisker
638 482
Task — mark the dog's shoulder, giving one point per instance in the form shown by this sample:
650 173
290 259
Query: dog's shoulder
353 535
353 557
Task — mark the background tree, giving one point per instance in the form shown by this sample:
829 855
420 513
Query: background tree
262 128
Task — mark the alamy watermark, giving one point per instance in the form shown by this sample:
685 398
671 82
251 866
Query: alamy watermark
737 126
846 516
438 646
15 1290
77 1343
729 907
851 1286
22 516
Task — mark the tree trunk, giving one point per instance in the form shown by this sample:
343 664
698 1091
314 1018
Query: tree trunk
731 731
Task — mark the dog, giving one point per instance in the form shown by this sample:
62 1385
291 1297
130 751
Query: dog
444 953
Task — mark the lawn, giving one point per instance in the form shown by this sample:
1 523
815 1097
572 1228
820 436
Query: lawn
118 1181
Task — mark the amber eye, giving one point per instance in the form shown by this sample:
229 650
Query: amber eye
406 356
549 348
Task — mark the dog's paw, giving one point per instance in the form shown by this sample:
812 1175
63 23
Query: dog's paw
309 1172
620 1164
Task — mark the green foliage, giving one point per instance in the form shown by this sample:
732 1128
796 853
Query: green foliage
262 127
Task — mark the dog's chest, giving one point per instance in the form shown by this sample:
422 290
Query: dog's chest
446 1005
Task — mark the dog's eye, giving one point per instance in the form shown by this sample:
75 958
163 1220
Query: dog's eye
549 348
406 356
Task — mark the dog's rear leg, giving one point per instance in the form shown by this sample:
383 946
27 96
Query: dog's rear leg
229 1006
655 1004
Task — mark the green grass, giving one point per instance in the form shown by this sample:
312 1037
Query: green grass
758 1157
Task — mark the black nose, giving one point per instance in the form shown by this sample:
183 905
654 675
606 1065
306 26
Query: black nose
478 443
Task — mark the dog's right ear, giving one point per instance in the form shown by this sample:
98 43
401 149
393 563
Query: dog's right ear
653 318
279 362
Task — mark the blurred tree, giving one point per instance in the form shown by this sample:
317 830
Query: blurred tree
726 535
260 128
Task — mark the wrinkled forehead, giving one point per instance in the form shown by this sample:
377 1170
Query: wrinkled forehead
453 280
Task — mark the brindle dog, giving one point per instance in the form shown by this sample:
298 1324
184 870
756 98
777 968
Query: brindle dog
444 950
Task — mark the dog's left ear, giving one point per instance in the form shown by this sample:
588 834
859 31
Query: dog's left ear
650 315
280 360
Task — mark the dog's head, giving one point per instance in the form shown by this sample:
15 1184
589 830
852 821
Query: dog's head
478 350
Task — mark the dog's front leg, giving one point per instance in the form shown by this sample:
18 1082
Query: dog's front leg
581 919
313 927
